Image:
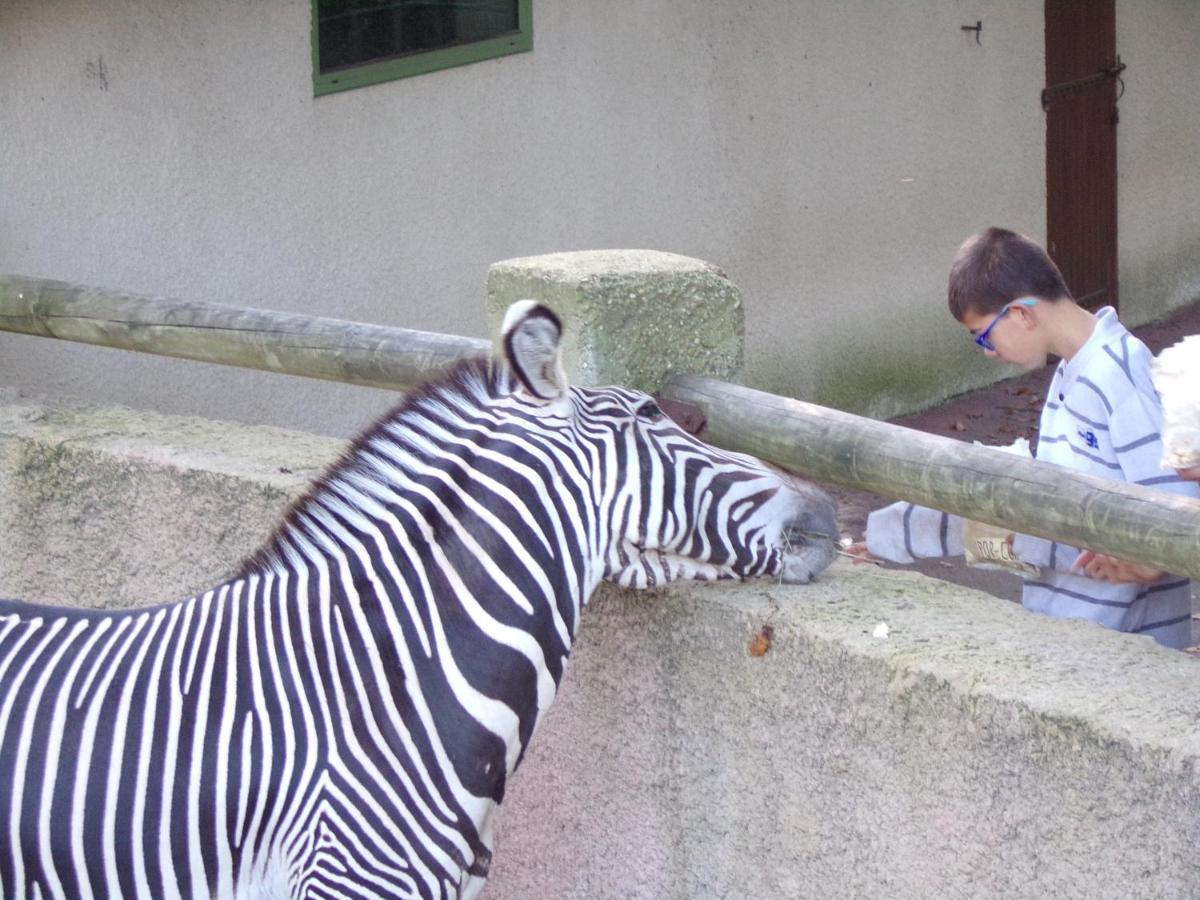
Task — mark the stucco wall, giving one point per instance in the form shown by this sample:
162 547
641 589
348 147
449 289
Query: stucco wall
1158 145
828 157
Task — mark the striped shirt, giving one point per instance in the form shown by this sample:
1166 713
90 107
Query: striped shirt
1103 417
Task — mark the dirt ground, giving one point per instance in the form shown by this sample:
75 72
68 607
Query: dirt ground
999 415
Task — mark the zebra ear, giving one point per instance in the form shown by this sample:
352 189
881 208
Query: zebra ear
531 335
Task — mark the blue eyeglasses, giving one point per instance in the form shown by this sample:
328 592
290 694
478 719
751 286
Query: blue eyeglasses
982 338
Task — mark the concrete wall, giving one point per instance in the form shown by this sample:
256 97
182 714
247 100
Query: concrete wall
1158 143
829 157
105 506
977 751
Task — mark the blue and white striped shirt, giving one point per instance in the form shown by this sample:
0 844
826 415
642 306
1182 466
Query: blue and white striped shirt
1103 417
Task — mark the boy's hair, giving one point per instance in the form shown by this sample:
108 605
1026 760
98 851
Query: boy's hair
998 266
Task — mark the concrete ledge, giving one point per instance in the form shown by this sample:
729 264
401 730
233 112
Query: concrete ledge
978 750
105 506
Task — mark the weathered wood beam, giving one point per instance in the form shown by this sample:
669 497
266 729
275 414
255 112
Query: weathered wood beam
1030 497
290 343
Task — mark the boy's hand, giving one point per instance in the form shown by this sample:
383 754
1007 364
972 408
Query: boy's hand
1192 473
1116 571
860 554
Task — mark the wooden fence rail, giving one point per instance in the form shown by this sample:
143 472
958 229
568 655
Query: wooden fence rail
290 343
1024 495
823 444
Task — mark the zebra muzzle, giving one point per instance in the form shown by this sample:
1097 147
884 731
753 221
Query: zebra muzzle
810 537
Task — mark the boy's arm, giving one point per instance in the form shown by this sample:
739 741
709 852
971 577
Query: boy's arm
1044 553
904 533
1047 554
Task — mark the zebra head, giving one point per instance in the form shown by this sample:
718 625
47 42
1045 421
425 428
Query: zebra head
668 506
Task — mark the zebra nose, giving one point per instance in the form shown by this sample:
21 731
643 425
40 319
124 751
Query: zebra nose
810 536
816 516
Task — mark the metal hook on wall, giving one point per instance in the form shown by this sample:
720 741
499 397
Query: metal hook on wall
977 28
1115 71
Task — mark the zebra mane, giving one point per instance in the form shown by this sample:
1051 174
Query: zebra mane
471 382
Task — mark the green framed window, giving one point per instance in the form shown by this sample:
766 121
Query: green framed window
361 42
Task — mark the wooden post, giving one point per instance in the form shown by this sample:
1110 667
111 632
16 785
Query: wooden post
1030 497
290 343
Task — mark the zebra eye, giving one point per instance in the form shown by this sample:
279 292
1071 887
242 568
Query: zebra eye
650 411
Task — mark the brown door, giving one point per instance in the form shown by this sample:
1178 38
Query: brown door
1082 69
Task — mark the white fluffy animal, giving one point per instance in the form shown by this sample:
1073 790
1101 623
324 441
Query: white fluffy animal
1177 377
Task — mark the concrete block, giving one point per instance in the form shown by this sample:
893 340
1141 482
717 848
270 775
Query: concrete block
632 317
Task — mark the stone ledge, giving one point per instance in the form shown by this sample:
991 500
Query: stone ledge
979 750
106 506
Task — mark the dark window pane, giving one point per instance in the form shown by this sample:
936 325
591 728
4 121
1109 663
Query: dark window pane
354 32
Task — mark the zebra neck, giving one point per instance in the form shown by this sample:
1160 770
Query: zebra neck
469 637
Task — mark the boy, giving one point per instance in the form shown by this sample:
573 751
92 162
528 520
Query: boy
1101 416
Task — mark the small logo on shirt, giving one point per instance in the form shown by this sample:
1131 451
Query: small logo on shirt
1090 439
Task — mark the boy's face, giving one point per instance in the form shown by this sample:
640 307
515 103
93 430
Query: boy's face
1012 334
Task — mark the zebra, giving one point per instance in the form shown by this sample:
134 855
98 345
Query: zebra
340 718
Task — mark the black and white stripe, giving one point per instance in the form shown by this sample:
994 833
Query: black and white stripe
340 719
